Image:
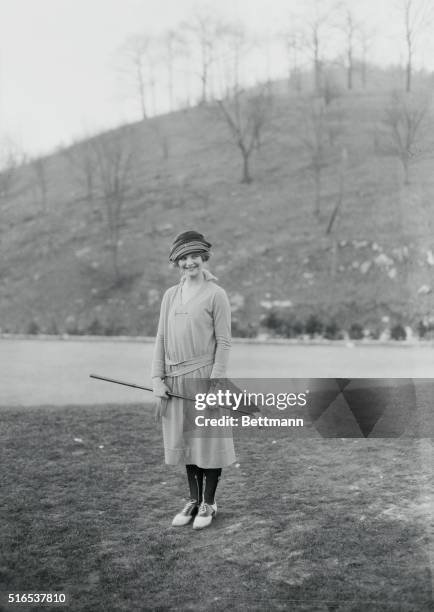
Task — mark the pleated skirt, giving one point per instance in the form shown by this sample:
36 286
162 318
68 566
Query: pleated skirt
184 441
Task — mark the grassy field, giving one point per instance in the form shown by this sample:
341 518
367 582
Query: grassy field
56 274
305 523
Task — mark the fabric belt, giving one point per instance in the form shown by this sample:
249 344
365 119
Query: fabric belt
179 368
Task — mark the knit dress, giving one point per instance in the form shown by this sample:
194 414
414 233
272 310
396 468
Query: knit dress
193 342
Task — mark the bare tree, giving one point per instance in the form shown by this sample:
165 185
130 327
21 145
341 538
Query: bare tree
246 115
81 158
11 158
330 89
40 182
159 130
235 44
204 30
114 163
404 119
333 221
315 142
295 43
319 143
173 45
136 62
365 39
418 15
316 24
349 28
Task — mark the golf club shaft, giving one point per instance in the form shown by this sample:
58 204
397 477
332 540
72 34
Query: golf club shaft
128 384
134 386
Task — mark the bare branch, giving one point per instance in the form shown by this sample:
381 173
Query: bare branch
11 158
205 30
81 158
350 28
317 21
40 182
417 17
114 156
317 123
246 115
403 121
137 62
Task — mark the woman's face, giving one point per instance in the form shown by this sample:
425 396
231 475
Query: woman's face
191 265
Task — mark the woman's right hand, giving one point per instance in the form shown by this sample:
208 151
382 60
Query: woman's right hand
160 388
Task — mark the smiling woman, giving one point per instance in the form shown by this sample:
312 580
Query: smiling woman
193 342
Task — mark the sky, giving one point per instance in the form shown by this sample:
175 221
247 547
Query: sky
58 58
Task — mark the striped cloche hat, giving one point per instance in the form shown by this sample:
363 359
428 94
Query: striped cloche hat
188 242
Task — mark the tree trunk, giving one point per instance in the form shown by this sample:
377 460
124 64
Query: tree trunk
317 171
170 87
203 95
114 250
405 166
317 77
153 97
294 81
317 65
409 67
141 93
364 74
408 71
350 71
89 189
246 172
334 258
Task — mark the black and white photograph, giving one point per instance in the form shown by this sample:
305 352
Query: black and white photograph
216 305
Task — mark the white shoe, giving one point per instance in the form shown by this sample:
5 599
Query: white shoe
205 515
186 514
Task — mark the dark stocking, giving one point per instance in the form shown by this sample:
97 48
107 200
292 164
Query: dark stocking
195 481
212 477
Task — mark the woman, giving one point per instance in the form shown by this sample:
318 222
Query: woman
193 342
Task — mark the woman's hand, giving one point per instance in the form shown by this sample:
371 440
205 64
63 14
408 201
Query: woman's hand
214 384
212 390
161 390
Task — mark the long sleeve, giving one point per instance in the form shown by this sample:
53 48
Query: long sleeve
222 331
158 360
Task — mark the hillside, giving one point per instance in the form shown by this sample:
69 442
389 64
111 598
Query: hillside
270 250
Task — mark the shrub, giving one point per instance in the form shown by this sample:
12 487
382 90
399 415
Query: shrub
52 328
294 327
356 331
422 329
313 326
374 333
243 330
283 324
332 331
273 321
398 332
114 329
71 326
33 328
426 329
95 328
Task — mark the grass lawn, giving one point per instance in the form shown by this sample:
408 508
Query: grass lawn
305 524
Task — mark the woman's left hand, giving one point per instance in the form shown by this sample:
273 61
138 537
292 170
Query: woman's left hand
160 409
213 388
